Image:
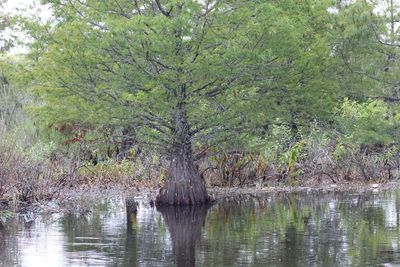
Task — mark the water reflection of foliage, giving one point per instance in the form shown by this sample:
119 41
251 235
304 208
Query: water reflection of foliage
303 230
370 238
109 235
85 228
8 246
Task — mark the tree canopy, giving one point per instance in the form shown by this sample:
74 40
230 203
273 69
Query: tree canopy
181 74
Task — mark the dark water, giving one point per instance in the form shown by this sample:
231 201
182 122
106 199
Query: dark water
302 229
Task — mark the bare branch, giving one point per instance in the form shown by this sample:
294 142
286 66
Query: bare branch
162 10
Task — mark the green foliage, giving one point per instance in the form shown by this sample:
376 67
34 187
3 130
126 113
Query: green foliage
370 123
113 171
135 66
289 81
43 151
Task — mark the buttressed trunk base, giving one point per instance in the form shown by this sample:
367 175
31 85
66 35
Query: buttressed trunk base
184 185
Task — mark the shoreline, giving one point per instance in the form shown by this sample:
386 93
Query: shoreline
71 199
218 193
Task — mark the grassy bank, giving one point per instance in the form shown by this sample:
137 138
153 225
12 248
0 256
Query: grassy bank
26 181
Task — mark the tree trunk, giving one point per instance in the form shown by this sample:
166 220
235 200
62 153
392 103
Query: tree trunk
128 142
184 185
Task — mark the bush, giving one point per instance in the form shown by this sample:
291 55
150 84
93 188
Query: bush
24 180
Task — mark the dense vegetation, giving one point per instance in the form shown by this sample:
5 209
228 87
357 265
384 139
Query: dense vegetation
198 93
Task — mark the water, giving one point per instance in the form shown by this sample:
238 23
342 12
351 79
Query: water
301 229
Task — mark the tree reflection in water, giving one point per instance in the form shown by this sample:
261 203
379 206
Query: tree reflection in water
130 255
184 225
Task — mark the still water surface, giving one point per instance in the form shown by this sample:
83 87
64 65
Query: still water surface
301 229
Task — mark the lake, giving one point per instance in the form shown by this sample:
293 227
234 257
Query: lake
277 229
